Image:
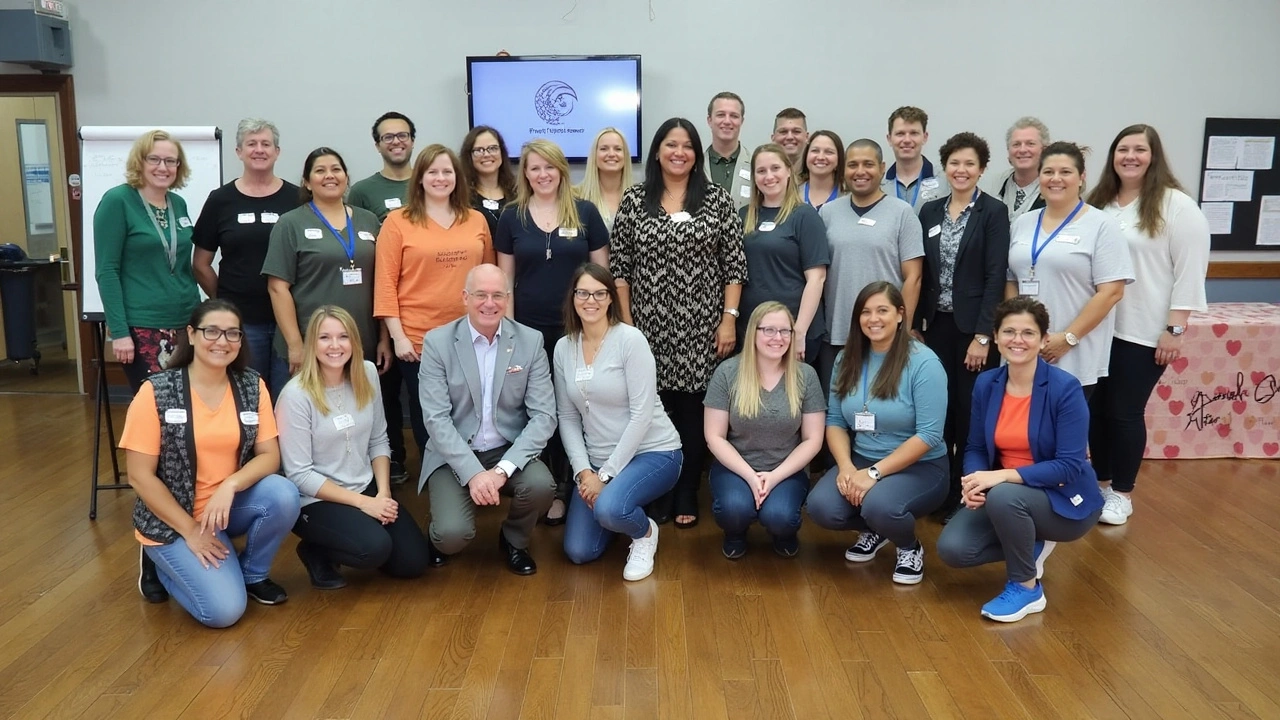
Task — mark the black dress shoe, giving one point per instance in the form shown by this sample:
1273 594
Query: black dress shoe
149 580
435 558
519 561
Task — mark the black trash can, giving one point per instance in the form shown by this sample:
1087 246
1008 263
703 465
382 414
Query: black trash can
18 298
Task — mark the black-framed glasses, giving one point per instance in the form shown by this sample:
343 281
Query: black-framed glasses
389 138
770 332
156 161
210 333
597 295
486 150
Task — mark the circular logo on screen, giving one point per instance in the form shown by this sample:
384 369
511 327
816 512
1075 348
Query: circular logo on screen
554 100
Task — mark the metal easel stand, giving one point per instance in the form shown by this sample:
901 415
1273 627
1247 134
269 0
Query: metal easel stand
102 410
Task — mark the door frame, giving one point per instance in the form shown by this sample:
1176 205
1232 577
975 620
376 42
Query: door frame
63 87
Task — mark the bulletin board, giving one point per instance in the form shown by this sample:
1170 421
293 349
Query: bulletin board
1240 183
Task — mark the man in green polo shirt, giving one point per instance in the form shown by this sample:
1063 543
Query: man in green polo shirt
727 163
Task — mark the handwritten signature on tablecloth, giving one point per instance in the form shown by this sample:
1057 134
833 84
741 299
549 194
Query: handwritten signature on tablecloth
1201 415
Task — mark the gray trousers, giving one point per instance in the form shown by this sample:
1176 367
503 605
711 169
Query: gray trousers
890 508
453 513
1006 528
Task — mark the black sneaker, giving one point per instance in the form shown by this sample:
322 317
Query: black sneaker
399 475
266 591
865 549
910 567
324 575
149 580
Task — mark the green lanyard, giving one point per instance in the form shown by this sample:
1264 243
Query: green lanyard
170 246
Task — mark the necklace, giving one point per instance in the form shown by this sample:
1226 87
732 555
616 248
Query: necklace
342 411
585 373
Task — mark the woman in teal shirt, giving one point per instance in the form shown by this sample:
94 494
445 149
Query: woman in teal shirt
142 251
885 414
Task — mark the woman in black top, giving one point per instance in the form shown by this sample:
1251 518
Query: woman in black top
488 173
966 256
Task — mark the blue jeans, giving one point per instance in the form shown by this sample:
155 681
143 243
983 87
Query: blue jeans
620 506
257 340
264 514
734 505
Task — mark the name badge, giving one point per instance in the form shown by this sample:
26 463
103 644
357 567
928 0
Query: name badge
313 233
744 173
352 276
745 191
391 203
681 216
175 416
584 374
245 218
767 226
1076 500
248 418
569 233
366 235
935 231
1068 239
866 221
1030 288
184 221
343 421
929 183
489 204
270 218
864 422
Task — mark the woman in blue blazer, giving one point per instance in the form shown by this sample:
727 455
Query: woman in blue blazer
1027 485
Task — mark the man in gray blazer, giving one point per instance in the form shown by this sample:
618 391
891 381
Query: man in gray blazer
489 408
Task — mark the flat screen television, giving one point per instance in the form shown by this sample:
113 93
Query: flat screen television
567 99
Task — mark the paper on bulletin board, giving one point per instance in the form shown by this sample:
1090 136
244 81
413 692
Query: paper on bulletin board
1219 215
1256 153
1227 186
1224 152
1269 220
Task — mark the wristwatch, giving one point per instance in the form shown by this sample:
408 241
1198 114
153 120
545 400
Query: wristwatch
874 473
1176 330
499 469
604 478
733 311
982 339
1071 338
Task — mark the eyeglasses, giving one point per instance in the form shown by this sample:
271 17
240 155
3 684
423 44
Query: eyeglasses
770 332
156 161
486 297
1027 335
389 138
486 150
210 333
597 295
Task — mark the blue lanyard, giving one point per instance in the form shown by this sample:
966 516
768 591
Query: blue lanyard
829 198
349 242
866 371
897 190
1036 247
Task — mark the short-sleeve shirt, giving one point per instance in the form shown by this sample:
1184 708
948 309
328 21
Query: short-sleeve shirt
918 410
217 437
765 440
308 256
379 195
545 261
240 226
1088 252
778 254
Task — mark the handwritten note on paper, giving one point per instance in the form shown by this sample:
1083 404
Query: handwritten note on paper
1219 215
1269 221
1224 152
1256 153
1227 186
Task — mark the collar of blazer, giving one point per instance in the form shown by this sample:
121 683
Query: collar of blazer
465 346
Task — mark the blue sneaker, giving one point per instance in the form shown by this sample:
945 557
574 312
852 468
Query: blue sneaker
1041 551
1015 603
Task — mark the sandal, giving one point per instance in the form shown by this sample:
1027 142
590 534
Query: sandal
686 524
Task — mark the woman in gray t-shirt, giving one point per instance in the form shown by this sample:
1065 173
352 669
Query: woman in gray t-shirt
764 421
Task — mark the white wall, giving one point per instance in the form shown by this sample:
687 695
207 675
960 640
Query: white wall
324 69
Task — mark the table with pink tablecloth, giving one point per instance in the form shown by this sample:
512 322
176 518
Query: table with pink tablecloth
1221 398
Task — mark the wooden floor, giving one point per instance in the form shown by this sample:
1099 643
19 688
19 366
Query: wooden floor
1172 616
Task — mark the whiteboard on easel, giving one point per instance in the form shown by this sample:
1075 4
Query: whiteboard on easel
103 153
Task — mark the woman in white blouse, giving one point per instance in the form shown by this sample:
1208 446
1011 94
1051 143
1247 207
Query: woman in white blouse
1168 239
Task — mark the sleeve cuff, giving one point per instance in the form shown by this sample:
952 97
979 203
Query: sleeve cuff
507 467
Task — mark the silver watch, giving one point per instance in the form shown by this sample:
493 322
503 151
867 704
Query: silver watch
1176 330
982 339
733 311
604 478
1071 338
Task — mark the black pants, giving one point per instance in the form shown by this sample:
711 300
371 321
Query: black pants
1117 422
951 346
685 410
390 382
553 454
351 538
409 371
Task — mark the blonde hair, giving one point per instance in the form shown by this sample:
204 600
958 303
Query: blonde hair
790 196
589 188
309 377
136 163
566 210
745 391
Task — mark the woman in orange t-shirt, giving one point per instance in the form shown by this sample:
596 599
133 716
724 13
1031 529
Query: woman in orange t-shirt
425 251
207 404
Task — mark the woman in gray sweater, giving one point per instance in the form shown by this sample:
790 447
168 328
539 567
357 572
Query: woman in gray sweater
622 447
333 444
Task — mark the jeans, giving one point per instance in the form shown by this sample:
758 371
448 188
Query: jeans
890 507
216 596
734 505
257 341
1006 528
350 537
1117 422
620 506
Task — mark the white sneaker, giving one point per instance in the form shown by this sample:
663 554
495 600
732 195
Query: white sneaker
1116 508
640 559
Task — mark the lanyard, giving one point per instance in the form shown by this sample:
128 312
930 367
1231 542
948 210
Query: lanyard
865 397
348 243
170 245
1036 247
831 197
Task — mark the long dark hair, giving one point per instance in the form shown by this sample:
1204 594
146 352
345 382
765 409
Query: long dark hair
303 191
506 176
185 354
1157 180
573 323
885 386
653 184
838 174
